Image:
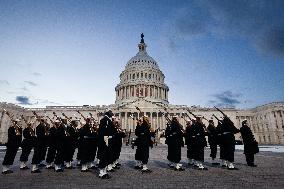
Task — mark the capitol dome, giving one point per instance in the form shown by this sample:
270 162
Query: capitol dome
142 78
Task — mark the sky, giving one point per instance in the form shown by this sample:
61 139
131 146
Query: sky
212 52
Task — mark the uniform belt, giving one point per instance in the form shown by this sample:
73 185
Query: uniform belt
89 137
226 133
108 136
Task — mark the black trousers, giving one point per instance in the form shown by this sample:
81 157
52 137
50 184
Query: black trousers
174 153
26 150
37 153
250 158
142 153
213 148
189 152
59 156
105 155
69 150
50 154
10 155
117 150
198 153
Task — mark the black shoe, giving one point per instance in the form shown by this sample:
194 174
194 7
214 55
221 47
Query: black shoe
190 164
179 169
195 166
204 168
116 167
58 170
36 171
79 165
7 172
71 167
171 166
42 165
106 176
84 171
24 168
112 170
50 167
215 163
146 171
138 167
232 168
118 164
224 166
252 165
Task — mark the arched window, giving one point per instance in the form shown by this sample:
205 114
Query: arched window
145 75
133 76
149 76
137 75
141 74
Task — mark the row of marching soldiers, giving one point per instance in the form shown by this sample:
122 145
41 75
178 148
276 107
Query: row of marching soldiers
56 143
195 139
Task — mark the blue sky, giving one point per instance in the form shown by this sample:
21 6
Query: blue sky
212 52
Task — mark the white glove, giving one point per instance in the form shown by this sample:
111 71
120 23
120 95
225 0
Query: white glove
106 140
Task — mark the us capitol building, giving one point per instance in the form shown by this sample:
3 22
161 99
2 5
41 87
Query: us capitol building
142 84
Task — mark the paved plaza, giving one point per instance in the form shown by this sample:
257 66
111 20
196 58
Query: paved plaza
268 174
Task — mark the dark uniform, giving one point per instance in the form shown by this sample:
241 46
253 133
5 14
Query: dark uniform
70 144
94 144
27 145
174 140
60 145
212 139
228 141
51 143
13 144
40 146
106 144
143 142
197 142
87 135
188 144
118 136
250 144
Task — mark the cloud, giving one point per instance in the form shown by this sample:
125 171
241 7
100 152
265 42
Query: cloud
24 89
37 74
225 99
259 22
31 83
4 82
23 100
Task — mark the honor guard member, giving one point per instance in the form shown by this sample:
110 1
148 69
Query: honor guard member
69 143
60 138
174 140
12 146
229 130
118 136
51 143
197 142
250 144
94 144
220 142
87 136
105 145
212 140
190 160
143 142
79 145
27 145
40 145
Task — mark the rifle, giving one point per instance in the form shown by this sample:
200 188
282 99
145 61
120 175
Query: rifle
9 115
92 116
187 116
59 118
137 108
167 118
220 111
82 115
216 118
68 118
17 127
22 116
52 122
